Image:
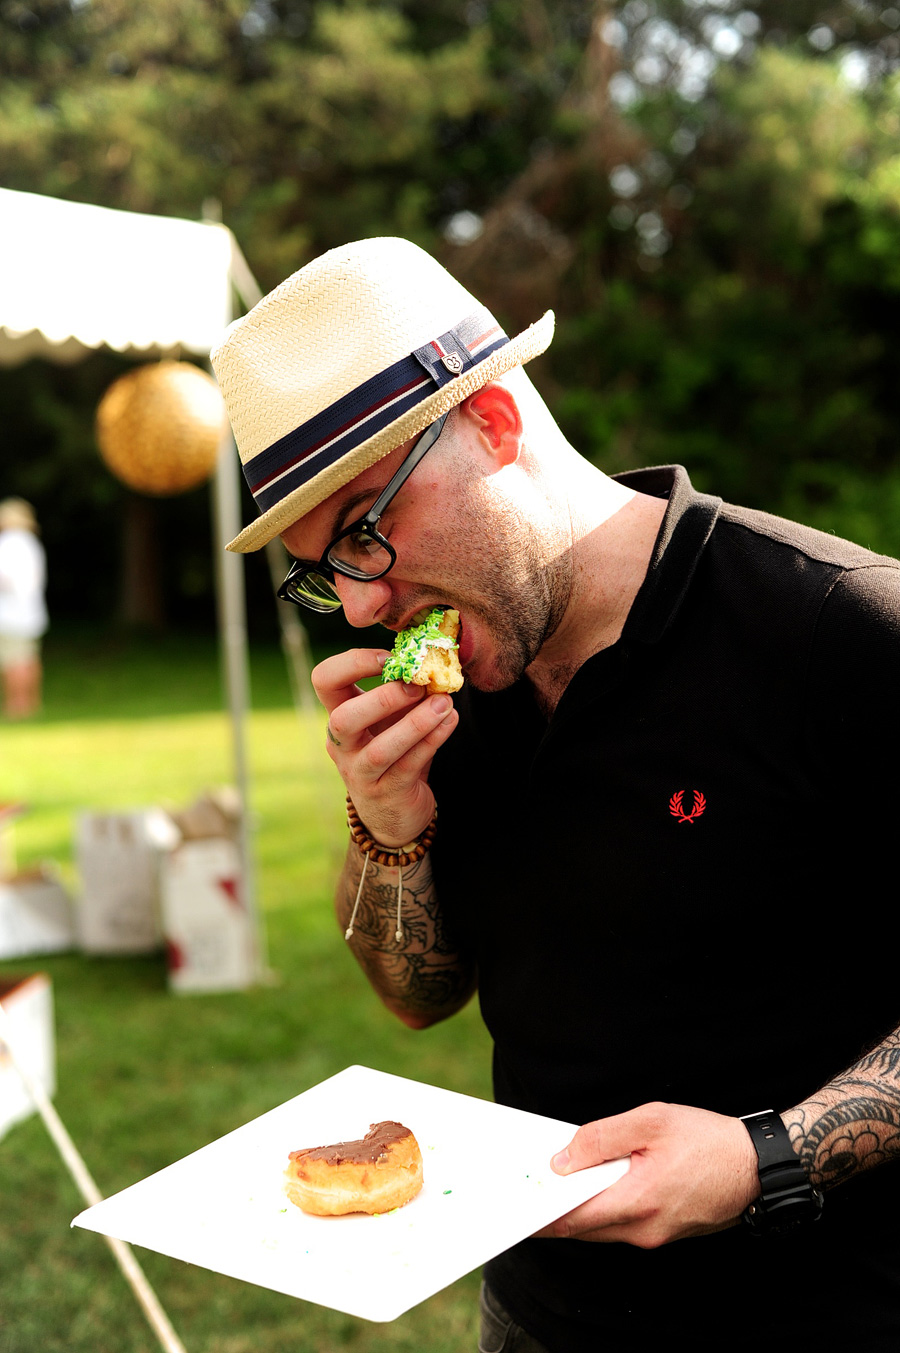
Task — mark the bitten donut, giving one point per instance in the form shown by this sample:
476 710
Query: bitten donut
376 1174
426 654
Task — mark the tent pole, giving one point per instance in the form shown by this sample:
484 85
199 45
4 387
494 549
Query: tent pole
232 602
233 639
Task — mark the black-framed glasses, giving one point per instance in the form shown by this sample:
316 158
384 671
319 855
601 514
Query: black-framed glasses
360 551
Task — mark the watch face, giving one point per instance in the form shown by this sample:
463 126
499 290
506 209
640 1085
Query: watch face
779 1215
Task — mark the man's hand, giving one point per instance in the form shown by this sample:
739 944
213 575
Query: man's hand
692 1172
383 742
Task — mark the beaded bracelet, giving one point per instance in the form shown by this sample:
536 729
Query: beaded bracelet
374 850
393 859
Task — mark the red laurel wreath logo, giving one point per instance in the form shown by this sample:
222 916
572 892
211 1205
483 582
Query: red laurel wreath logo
676 809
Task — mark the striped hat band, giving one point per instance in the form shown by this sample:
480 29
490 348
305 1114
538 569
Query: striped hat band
377 403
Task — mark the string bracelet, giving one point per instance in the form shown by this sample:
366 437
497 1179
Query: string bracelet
398 933
374 850
349 931
371 850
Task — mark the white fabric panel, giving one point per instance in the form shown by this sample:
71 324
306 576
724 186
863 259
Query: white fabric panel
74 277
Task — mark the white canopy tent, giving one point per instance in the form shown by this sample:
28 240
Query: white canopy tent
75 278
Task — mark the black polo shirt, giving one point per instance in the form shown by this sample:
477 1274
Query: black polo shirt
681 888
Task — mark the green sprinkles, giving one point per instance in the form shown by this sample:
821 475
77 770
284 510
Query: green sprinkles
411 646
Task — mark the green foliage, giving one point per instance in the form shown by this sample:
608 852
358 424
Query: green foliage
755 345
159 108
802 137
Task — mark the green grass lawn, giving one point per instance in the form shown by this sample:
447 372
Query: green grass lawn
146 1076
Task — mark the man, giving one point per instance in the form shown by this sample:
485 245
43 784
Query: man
665 799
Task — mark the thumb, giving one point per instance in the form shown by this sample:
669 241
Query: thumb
586 1148
605 1139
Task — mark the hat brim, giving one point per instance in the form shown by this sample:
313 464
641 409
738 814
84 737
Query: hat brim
530 343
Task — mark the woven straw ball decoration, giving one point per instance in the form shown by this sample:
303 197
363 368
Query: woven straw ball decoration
160 426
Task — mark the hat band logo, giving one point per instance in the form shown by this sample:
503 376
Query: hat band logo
676 807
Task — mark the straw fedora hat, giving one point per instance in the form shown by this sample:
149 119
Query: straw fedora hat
347 359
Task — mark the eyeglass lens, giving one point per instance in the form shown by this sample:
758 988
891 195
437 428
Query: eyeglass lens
359 553
314 590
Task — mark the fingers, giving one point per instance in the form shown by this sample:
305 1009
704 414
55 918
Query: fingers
395 802
626 1210
404 738
603 1216
334 680
399 756
603 1140
415 763
594 1220
359 718
382 742
612 1138
583 1150
356 716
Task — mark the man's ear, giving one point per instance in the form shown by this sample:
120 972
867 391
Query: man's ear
496 415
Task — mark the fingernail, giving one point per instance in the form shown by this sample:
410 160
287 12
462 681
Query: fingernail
441 703
382 658
560 1162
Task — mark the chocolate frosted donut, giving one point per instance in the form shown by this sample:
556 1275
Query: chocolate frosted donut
381 1171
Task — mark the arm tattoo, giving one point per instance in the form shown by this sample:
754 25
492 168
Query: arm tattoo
853 1123
425 973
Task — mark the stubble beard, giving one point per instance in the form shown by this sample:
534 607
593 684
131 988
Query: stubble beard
522 599
493 571
519 605
520 620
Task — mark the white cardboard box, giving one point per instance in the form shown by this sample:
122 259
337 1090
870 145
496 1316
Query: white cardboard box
28 1004
35 915
119 859
210 944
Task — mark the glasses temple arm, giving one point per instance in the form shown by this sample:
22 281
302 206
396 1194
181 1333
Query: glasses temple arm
399 478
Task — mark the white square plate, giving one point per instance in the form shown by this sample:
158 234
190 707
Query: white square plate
488 1184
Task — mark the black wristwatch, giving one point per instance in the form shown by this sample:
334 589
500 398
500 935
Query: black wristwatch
788 1198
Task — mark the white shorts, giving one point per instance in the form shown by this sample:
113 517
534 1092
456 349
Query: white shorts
17 651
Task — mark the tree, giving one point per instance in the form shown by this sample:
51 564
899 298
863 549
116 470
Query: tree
723 256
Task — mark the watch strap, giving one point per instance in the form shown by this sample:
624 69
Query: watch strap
774 1148
787 1196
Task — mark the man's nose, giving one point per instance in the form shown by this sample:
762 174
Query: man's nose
362 602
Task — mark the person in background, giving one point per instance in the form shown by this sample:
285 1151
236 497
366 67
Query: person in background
23 611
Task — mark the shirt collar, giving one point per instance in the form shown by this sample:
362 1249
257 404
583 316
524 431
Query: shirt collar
685 530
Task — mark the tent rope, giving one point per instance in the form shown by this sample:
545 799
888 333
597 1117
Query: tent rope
147 1298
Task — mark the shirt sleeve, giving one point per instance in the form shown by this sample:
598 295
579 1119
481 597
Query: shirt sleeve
854 687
